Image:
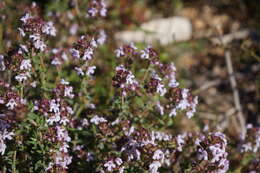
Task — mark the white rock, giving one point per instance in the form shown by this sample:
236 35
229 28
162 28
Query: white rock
164 31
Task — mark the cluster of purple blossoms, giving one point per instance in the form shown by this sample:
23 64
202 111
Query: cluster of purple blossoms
130 50
64 90
11 98
125 80
2 63
9 117
148 53
252 141
60 57
158 158
97 8
97 120
139 143
127 50
58 117
35 28
84 48
25 69
182 100
60 157
114 164
162 81
4 135
83 51
155 85
212 152
16 61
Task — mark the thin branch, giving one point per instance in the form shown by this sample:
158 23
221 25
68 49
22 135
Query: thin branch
228 38
207 85
236 98
224 40
225 121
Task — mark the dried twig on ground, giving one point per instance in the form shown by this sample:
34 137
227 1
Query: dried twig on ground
225 121
207 85
236 98
224 40
228 38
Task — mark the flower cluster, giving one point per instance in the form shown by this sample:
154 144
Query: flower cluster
2 63
35 28
182 100
58 117
16 61
61 158
128 50
4 135
97 120
162 81
84 48
59 57
158 150
9 115
64 90
114 164
212 152
83 51
97 8
148 53
252 141
155 85
124 80
58 114
11 98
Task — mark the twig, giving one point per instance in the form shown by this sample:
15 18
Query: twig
224 122
208 115
224 41
228 38
77 8
1 39
207 85
236 98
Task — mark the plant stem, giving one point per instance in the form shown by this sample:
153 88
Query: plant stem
9 76
21 91
146 72
14 163
43 75
122 102
236 96
1 39
77 8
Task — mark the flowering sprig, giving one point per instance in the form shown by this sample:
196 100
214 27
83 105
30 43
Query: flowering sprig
212 152
252 141
159 78
124 80
97 8
35 28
